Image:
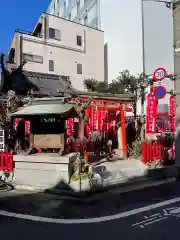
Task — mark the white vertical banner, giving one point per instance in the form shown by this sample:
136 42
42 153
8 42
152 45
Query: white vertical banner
2 140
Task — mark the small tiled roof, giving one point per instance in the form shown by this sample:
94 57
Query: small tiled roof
49 84
44 109
43 84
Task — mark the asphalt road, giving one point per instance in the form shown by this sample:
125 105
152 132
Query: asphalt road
143 218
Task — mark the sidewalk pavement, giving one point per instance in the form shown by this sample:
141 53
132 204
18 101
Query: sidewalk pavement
118 174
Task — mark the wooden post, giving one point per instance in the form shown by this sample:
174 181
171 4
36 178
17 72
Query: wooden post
86 124
81 128
123 131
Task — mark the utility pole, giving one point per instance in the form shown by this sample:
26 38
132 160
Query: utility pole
174 4
143 58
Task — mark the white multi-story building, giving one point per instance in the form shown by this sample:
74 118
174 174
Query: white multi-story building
62 47
123 47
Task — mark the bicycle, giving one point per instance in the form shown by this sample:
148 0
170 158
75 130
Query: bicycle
6 185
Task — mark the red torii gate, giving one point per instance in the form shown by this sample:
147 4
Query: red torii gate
97 112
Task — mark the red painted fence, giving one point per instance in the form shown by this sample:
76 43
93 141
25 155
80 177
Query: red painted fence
6 161
152 151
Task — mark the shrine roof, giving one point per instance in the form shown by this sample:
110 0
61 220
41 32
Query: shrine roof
44 109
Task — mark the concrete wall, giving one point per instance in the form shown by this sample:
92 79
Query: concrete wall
65 53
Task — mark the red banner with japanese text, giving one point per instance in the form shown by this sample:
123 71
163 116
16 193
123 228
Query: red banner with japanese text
27 125
102 116
94 119
16 122
172 113
151 114
70 126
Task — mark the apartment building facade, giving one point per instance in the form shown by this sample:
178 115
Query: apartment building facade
61 47
105 15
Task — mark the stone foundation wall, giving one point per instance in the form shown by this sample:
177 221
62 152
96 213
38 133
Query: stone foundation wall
42 171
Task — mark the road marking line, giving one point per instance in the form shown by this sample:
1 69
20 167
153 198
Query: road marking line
154 215
157 220
175 211
144 221
91 220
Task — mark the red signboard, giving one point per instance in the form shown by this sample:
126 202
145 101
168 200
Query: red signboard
151 114
172 112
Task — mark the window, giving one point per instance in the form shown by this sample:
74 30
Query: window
12 55
79 40
54 34
51 65
79 68
32 58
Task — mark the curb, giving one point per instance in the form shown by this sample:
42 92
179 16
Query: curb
29 188
89 197
159 175
113 189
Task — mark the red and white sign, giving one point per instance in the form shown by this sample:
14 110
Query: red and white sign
151 114
159 74
172 113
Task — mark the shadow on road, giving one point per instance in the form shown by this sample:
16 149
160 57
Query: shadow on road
95 205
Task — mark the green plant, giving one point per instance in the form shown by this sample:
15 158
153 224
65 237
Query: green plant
137 149
81 176
91 84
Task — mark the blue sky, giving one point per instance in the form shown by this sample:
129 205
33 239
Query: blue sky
18 14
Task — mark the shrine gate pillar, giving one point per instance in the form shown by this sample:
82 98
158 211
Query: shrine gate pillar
122 145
